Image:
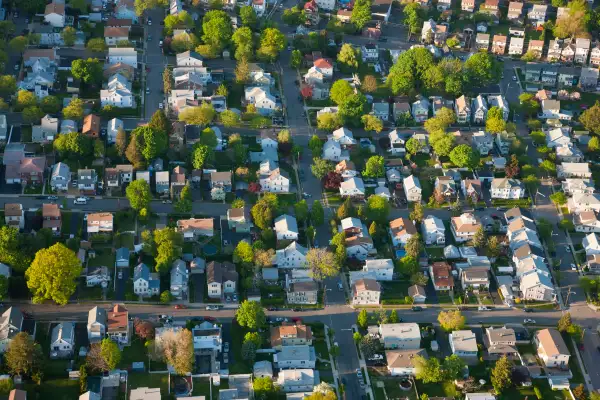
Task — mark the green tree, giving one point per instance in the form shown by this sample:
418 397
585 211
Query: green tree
418 279
464 156
451 320
558 198
272 41
250 315
301 210
317 214
199 115
322 263
18 44
3 287
346 210
265 389
244 43
363 319
328 122
501 376
494 123
248 16
32 115
428 370
200 154
110 353
579 392
348 58
374 167
594 144
242 71
352 109
166 297
168 244
368 346
315 145
97 45
493 247
413 146
69 35
372 123
53 274
480 238
217 30
414 246
8 84
575 22
566 225
134 152
23 356
321 167
154 142
378 208
564 322
417 213
481 70
159 122
184 203
340 91
88 71
296 59
590 118
528 104
361 13
453 367
264 211
243 253
229 118
51 104
25 99
442 143
139 195
74 110
394 317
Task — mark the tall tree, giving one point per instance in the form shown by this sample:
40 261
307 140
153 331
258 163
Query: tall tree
348 58
322 263
480 238
501 376
139 195
217 30
361 13
340 91
69 35
134 152
111 353
590 118
451 320
317 214
363 319
250 315
121 142
23 356
53 273
74 110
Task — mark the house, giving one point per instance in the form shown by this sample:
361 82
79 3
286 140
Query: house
586 221
462 110
161 179
537 15
96 325
276 181
381 110
112 129
515 46
515 10
115 34
482 42
178 181
332 151
476 278
536 47
591 244
412 188
143 176
434 33
221 279
293 256
189 59
582 50
207 336
433 231
479 110
346 169
401 229
352 187
122 257
551 348
445 186
573 170
420 110
537 285
124 9
584 202
55 14
472 188
295 356
480 396
381 10
507 188
324 66
263 100
144 393
593 263
569 153
194 229
86 180
288 334
501 342
557 137
113 177
359 247
464 227
62 340
238 220
179 280
298 380
286 227
117 325
18 394
400 336
568 76
467 5
417 293
443 5
125 55
145 283
259 7
401 111
397 143
500 102
126 172
29 171
401 362
14 215
441 276
498 47
46 131
382 268
595 55
118 93
588 79
51 216
303 292
221 180
97 276
370 53
91 126
463 344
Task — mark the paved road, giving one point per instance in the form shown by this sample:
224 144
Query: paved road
156 61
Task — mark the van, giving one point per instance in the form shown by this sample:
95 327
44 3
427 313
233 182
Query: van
80 200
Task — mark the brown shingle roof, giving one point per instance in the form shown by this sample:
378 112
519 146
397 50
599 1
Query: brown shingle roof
116 31
402 226
367 284
13 210
552 342
117 319
55 8
50 210
291 331
91 125
442 274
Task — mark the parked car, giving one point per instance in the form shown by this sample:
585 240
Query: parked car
80 200
225 358
417 308
528 309
483 308
212 308
226 347
573 267
529 321
180 306
340 287
568 248
120 275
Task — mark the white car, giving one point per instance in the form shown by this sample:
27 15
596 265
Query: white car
160 106
529 321
483 308
376 357
568 248
120 276
80 200
226 347
514 78
573 267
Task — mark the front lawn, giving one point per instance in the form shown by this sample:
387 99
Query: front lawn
103 258
57 389
394 292
239 366
66 223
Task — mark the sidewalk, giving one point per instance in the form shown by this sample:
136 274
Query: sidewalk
336 376
586 376
363 367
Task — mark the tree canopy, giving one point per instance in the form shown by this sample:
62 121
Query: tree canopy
250 315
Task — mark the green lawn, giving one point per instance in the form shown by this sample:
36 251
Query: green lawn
104 258
134 353
66 223
202 387
57 389
395 290
144 379
237 336
124 222
522 393
436 253
573 364
443 389
125 240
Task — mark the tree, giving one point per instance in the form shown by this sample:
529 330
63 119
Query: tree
315 145
394 317
548 166
566 225
244 43
378 208
167 245
264 388
419 279
451 320
264 211
374 167
464 156
250 315
139 195
481 69
200 153
348 58
480 238
353 108
110 352
153 141
166 297
512 168
594 144
428 370
590 118
453 367
414 246
413 146
184 356
50 104
25 99
243 253
564 322
249 351
159 122
340 91
442 143
559 198
363 319
579 392
320 167
8 84
199 115
53 274
264 258
248 16
372 123
301 210
134 152
272 41
32 115
417 213
368 346
74 110
88 71
18 44
296 59
328 122
495 124
143 328
575 22
493 247
69 35
332 181
502 375
217 30
23 356
528 104
229 118
593 396
242 71
369 84
361 13
317 214
322 263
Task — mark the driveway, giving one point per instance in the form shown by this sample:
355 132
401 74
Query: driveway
121 284
199 287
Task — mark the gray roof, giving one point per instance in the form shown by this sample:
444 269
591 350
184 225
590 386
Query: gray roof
179 273
141 272
61 169
63 331
97 314
10 323
300 353
270 274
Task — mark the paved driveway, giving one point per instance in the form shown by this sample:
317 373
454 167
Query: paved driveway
199 287
121 284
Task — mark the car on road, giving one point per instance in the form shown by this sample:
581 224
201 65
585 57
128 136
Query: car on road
225 358
359 373
514 78
382 39
528 309
52 197
417 308
160 43
167 202
180 306
376 357
529 321
272 308
568 248
149 21
80 200
161 106
147 90
212 308
17 66
120 275
483 308
573 267
296 309
226 347
149 38
306 195
340 287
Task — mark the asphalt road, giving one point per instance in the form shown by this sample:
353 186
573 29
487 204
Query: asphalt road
156 61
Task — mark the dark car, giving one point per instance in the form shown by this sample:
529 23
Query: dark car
528 309
272 308
382 39
417 308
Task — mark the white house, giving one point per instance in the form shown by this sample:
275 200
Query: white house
480 109
586 221
118 93
397 143
352 187
383 268
483 141
536 285
420 110
366 291
207 336
96 324
412 188
97 276
277 181
507 188
584 202
401 229
259 7
573 170
179 279
332 151
557 137
433 231
401 362
343 136
286 227
293 256
591 244
463 344
55 14
400 336
221 279
60 176
62 340
112 129
464 227
301 356
298 380
125 55
263 100
145 283
551 348
359 247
